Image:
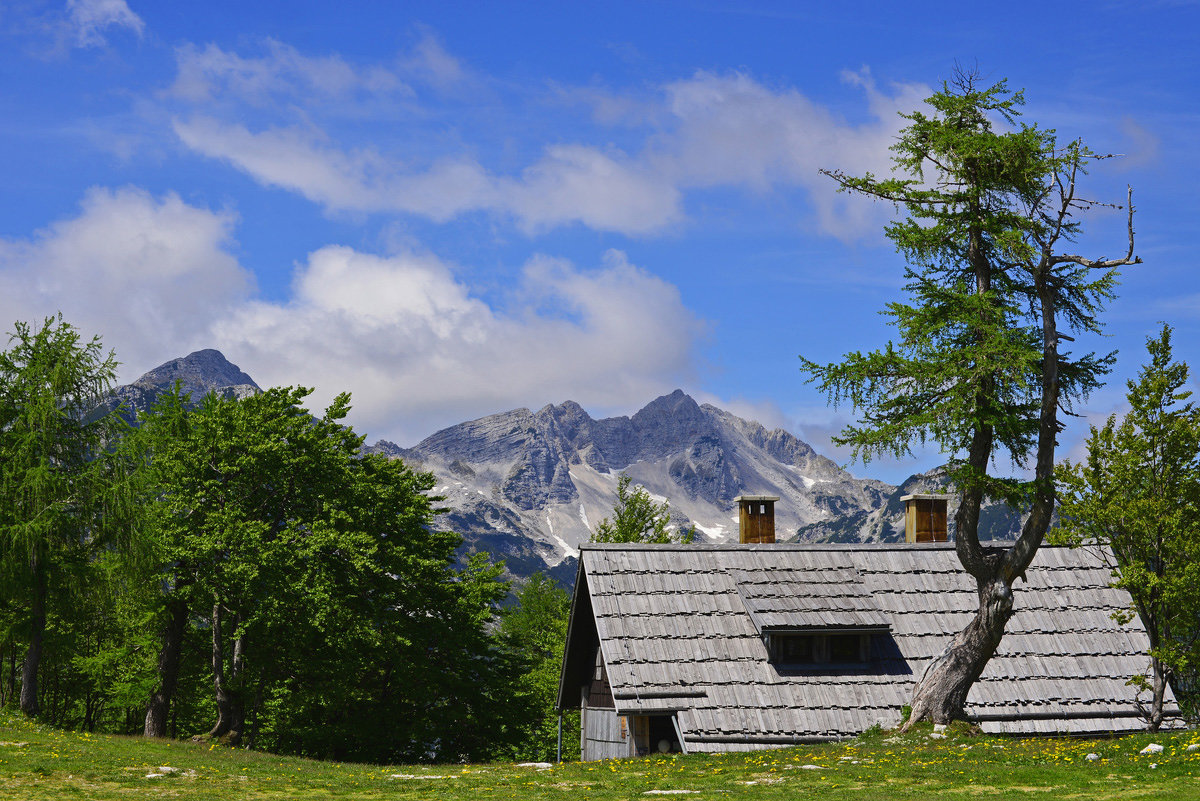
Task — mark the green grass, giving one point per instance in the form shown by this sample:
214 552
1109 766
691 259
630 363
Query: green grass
42 763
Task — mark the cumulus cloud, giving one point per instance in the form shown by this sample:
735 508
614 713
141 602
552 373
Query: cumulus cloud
707 131
419 351
156 278
145 273
88 20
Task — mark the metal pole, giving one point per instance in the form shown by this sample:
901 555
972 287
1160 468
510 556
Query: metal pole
560 735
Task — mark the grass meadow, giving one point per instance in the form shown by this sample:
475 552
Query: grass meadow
42 763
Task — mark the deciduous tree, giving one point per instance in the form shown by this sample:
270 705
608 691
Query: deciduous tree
637 518
979 367
1137 496
535 629
337 622
248 488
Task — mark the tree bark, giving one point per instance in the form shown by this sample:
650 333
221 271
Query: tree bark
1152 615
159 709
1159 689
37 632
941 692
230 707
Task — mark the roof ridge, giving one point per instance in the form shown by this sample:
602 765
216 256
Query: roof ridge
796 546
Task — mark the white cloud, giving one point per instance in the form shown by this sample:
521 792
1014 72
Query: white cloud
606 192
155 278
569 184
89 19
146 274
430 62
281 73
293 160
707 131
418 351
733 131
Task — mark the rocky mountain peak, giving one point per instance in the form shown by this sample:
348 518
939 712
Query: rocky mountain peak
678 405
567 420
200 372
668 421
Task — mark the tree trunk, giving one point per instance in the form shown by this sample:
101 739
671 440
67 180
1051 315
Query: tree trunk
159 710
1160 690
230 707
37 631
941 692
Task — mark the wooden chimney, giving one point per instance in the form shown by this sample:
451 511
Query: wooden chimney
925 518
756 518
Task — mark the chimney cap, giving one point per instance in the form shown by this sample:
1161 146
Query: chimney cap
755 498
925 497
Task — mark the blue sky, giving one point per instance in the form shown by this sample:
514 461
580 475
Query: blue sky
453 209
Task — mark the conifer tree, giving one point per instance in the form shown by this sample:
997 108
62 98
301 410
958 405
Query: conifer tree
61 495
979 367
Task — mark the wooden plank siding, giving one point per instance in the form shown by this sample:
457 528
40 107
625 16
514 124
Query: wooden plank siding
604 734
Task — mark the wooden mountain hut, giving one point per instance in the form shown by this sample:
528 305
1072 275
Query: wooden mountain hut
743 646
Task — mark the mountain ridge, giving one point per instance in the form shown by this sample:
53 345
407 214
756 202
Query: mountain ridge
537 482
529 486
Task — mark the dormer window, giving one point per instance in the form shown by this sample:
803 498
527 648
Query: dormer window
821 649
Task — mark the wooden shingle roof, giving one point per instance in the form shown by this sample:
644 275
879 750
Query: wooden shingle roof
680 629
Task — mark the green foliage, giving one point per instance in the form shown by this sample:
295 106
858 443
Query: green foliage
1138 495
637 518
62 493
985 209
535 630
338 624
55 478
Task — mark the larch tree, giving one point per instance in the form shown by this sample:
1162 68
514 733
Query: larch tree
61 494
989 205
1137 497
